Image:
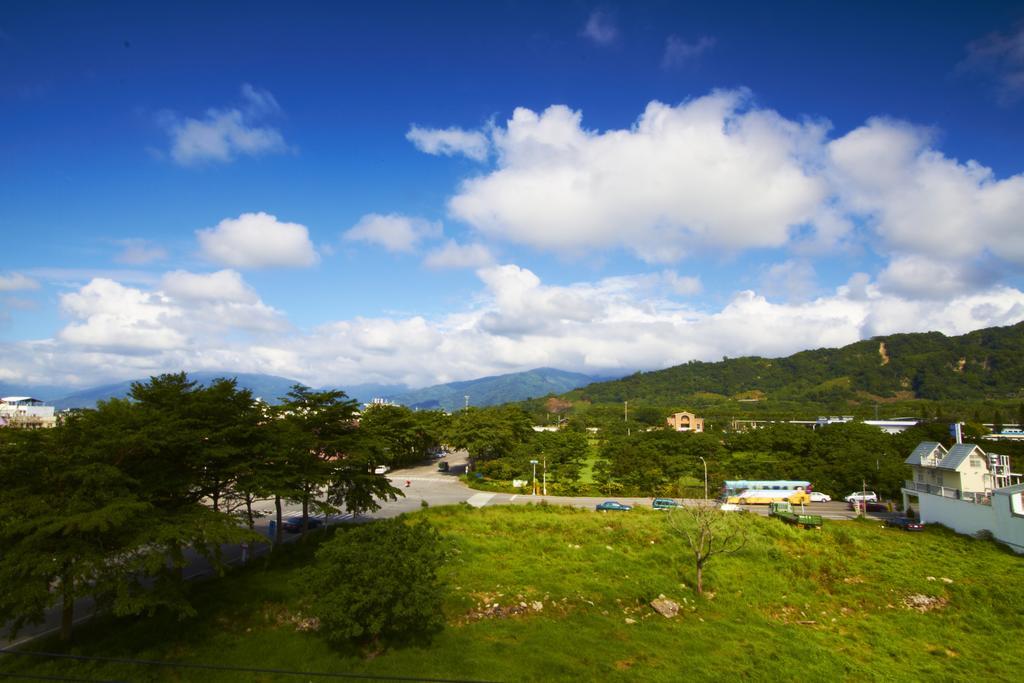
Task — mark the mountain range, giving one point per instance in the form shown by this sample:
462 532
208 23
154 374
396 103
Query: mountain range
484 391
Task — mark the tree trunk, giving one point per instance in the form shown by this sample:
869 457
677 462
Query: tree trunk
216 500
67 612
700 578
248 511
277 531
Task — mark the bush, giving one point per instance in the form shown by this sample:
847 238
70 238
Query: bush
379 580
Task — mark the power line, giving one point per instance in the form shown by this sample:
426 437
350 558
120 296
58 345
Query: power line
224 667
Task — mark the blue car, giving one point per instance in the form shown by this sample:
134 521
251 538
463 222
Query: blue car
664 504
613 505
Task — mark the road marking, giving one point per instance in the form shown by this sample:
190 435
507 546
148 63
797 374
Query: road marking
513 498
480 499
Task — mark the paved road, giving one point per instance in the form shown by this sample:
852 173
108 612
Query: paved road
425 483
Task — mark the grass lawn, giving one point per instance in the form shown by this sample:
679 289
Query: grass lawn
826 605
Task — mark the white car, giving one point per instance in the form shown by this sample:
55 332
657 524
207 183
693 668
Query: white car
819 497
858 496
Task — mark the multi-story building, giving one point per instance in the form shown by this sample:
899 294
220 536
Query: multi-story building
25 411
968 490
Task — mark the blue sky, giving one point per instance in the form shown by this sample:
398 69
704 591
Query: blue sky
424 192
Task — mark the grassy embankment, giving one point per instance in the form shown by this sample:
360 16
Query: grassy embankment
812 605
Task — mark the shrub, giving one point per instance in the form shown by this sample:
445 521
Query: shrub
379 580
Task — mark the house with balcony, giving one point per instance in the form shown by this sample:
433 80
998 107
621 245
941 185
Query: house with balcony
25 411
686 422
968 490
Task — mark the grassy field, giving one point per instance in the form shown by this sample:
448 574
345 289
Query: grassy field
827 605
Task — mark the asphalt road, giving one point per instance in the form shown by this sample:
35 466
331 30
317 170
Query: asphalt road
418 484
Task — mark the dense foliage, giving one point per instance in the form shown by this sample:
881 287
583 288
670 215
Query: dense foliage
983 364
108 502
378 580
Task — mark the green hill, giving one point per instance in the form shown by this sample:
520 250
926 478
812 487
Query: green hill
985 364
489 391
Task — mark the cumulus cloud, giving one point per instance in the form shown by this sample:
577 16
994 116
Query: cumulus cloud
916 276
998 57
449 141
394 232
16 281
224 285
137 252
920 201
516 322
713 172
222 135
455 255
679 53
257 240
600 28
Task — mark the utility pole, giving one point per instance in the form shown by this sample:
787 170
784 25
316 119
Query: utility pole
534 463
545 489
467 401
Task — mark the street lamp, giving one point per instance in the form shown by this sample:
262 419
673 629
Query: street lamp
534 463
705 476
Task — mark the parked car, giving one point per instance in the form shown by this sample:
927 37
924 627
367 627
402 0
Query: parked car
664 504
293 525
613 505
819 497
381 469
730 507
442 466
869 496
905 523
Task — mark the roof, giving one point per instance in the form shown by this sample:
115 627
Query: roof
925 448
957 455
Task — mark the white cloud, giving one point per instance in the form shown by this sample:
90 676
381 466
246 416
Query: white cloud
120 318
16 281
449 141
600 28
455 255
792 280
224 285
712 173
393 231
679 53
920 277
999 57
224 134
683 285
517 322
258 240
923 202
137 252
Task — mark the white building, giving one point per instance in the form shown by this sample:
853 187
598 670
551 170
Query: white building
967 490
25 411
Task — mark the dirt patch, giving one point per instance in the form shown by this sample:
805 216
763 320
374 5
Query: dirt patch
882 353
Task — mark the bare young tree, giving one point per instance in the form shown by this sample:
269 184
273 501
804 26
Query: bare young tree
708 531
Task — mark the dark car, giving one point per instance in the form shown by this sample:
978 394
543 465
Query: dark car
613 505
442 466
905 523
664 504
293 525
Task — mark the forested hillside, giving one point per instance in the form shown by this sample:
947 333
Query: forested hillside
983 364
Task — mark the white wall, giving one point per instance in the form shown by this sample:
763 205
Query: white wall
970 518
